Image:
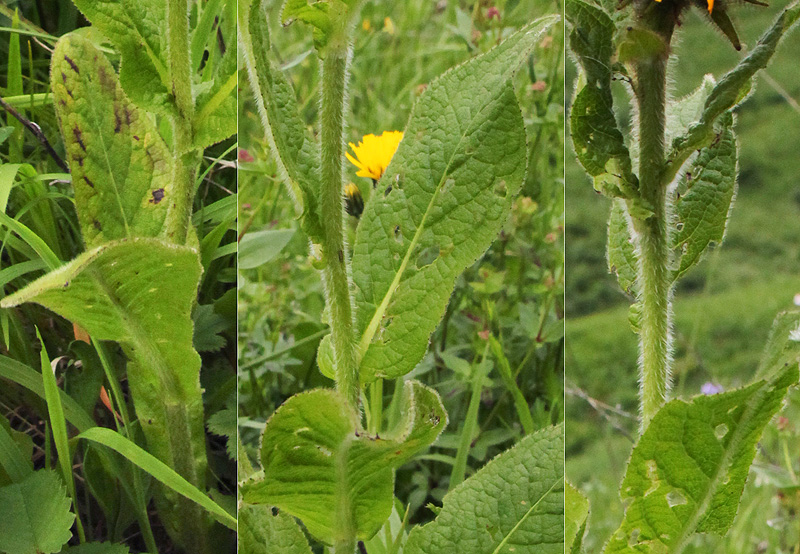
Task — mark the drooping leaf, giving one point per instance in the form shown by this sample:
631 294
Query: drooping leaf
710 186
576 513
120 166
599 144
687 473
317 467
139 292
295 152
36 517
439 205
514 504
620 248
731 90
266 530
138 28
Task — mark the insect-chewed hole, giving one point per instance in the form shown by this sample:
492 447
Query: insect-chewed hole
427 256
720 431
633 538
675 498
679 226
500 188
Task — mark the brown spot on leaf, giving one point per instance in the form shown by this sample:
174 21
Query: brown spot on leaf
88 181
341 257
117 121
64 77
72 64
136 137
80 161
79 137
97 225
158 196
128 117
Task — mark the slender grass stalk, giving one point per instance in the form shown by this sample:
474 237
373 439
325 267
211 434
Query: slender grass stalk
655 334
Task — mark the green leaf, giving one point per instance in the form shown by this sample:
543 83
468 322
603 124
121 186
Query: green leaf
259 247
15 454
320 468
439 205
708 190
320 14
97 548
638 43
513 504
783 344
140 292
223 423
683 113
687 472
620 248
295 152
576 513
266 530
36 517
121 169
158 470
730 91
599 144
138 29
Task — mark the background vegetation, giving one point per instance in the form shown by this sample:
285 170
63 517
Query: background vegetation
37 193
515 291
724 308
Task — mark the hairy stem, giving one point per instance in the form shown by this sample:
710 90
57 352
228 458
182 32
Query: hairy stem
185 159
654 277
336 273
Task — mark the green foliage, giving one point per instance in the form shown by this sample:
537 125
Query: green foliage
320 468
513 504
689 468
440 204
36 516
621 250
265 530
576 514
121 169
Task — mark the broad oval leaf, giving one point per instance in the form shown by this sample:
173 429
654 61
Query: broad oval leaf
36 515
688 470
320 468
513 504
439 205
121 168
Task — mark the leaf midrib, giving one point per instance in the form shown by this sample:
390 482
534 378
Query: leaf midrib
528 514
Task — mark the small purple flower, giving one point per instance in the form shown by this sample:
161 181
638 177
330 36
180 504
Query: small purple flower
710 388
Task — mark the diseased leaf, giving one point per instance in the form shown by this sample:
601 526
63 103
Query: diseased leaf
576 513
599 144
687 473
138 28
36 516
702 210
620 248
121 169
139 292
317 467
439 205
513 504
265 530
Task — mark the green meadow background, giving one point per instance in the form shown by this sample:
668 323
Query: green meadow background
723 308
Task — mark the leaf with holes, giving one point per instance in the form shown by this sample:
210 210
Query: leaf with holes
293 149
599 144
121 169
36 515
317 466
620 249
266 530
138 28
708 190
139 292
514 504
687 473
439 205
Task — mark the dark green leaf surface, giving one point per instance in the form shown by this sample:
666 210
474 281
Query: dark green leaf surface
439 205
515 504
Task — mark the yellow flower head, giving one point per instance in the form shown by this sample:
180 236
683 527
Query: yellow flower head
373 154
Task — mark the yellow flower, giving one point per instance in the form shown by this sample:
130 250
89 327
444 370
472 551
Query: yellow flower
373 154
